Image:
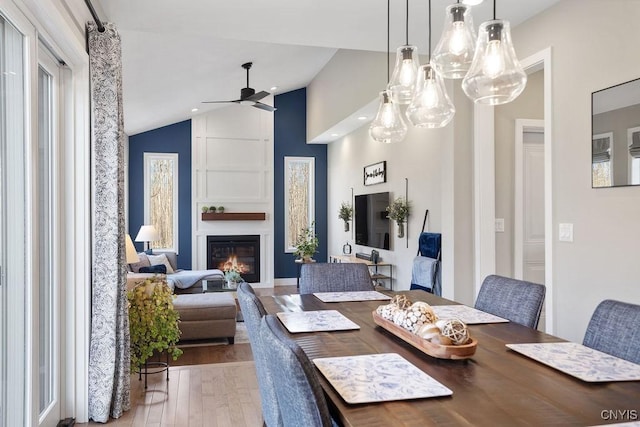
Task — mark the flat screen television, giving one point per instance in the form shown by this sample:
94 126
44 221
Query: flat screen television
371 222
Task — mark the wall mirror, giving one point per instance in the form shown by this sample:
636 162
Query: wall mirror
615 135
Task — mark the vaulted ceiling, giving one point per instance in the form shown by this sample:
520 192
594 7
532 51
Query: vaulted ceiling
178 54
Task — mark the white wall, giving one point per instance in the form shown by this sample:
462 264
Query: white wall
593 43
232 166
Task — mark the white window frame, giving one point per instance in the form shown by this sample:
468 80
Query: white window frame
633 162
289 246
148 158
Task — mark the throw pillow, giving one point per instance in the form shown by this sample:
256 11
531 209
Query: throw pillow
160 259
142 262
157 269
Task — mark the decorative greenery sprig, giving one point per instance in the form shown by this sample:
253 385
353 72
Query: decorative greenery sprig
346 211
399 210
307 243
153 322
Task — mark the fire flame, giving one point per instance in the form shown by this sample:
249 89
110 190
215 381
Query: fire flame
232 264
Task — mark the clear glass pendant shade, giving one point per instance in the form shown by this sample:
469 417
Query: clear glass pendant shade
430 107
403 79
454 52
388 125
496 76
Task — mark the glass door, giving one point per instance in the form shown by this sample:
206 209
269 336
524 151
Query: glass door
13 273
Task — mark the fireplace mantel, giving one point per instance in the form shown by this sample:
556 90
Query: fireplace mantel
234 216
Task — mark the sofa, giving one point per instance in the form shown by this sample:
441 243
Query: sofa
203 316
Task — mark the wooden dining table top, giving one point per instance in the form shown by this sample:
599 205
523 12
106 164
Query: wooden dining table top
495 387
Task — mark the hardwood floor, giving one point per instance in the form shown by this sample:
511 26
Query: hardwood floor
209 385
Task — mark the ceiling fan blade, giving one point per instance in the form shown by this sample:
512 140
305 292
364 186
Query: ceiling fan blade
220 102
257 96
265 107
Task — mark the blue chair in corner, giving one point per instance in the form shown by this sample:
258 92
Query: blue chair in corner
614 329
516 300
300 396
253 311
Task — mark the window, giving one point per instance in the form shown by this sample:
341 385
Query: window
633 138
299 197
601 160
161 198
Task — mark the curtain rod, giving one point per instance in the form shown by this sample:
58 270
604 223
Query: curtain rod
95 15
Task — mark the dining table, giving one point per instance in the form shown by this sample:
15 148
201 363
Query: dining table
496 386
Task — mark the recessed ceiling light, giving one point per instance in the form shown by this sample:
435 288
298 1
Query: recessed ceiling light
471 2
362 118
273 88
193 110
335 134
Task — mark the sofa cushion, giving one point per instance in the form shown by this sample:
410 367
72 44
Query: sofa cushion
158 269
160 259
142 262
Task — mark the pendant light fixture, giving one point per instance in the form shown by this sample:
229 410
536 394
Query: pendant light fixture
430 106
454 52
496 76
388 126
403 80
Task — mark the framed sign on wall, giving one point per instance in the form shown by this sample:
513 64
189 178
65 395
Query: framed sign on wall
375 173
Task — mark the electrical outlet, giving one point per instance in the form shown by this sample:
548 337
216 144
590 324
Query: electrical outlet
565 232
499 225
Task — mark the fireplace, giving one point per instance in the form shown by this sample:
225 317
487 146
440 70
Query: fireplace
242 252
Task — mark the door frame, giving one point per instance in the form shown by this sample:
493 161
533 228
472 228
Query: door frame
484 189
522 126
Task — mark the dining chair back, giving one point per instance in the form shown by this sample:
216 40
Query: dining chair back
614 329
334 277
253 311
516 300
300 396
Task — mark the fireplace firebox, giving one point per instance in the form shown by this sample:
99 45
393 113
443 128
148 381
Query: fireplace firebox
241 252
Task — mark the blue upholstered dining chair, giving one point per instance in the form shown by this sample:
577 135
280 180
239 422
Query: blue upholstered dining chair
252 312
300 396
518 301
614 329
334 277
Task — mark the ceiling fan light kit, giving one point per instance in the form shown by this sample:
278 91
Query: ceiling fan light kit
248 95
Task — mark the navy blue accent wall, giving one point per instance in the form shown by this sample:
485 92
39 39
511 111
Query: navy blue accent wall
290 136
174 138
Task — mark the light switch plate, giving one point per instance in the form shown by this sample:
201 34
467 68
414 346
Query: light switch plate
565 232
500 225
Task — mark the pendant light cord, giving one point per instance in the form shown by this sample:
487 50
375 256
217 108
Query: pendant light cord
388 36
429 30
407 25
494 10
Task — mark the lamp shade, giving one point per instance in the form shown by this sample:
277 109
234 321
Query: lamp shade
454 52
132 255
496 76
430 107
403 79
147 233
388 125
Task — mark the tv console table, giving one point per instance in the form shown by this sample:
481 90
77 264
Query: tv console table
377 277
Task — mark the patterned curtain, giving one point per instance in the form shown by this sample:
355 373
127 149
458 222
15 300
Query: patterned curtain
109 368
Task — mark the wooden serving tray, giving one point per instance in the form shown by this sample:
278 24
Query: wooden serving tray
455 352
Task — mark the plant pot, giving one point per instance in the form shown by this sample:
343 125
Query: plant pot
346 226
232 284
400 230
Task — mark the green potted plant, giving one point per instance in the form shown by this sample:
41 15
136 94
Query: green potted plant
220 209
307 243
212 209
399 211
205 209
345 213
153 322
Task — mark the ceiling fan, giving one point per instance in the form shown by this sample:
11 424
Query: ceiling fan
248 95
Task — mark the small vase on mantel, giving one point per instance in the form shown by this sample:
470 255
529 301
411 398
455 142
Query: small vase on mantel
346 226
400 230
